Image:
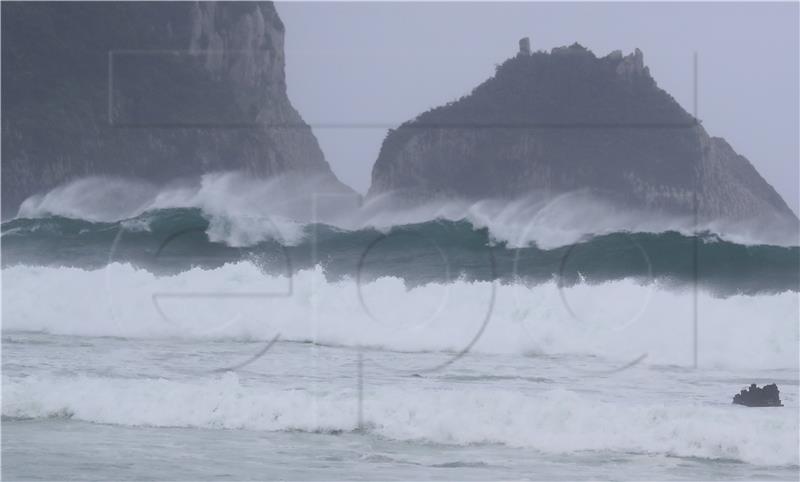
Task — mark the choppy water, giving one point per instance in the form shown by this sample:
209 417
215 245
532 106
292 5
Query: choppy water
201 340
104 379
120 408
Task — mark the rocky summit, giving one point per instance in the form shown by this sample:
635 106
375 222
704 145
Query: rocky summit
566 120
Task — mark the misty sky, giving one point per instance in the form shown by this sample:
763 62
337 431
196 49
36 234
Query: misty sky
379 64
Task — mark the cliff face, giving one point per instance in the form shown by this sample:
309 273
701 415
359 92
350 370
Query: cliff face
151 90
549 123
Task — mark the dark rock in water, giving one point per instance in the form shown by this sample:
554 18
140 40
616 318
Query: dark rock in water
148 90
769 396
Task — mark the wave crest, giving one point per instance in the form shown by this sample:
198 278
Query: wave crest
168 241
245 210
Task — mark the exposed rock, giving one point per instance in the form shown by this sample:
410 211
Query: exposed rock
565 121
150 90
632 64
769 396
524 46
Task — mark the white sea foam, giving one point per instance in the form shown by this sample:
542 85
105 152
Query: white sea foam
243 210
619 320
550 421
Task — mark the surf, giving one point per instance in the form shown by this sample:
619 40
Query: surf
649 323
170 240
548 421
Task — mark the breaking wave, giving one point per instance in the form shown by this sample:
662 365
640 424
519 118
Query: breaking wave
548 421
243 210
171 240
616 320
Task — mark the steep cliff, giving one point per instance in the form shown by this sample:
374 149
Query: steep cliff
150 90
549 123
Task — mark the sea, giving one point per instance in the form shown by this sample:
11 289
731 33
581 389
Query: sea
158 336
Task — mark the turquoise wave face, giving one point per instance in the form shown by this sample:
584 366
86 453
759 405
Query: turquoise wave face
173 240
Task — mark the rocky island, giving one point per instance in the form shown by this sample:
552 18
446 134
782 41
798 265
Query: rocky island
567 120
147 90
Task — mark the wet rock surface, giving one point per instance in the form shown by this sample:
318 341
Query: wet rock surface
768 396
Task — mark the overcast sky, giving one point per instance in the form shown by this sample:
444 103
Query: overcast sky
380 64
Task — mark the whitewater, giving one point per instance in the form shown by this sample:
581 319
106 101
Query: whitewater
184 332
239 302
401 381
